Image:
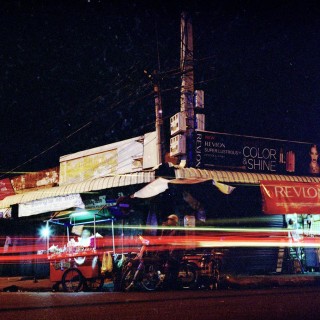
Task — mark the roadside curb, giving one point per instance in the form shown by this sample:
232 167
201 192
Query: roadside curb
30 284
277 280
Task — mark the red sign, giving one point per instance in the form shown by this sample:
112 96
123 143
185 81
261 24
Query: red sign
5 188
38 180
282 197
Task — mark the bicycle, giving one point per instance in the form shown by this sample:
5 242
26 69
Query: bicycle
149 272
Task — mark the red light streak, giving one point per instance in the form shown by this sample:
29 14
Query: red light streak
34 250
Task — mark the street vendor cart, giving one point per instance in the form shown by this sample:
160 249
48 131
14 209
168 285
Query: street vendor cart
76 265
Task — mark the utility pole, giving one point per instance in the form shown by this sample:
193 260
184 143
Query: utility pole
159 118
187 85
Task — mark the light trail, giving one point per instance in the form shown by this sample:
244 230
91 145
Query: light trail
34 249
200 229
37 254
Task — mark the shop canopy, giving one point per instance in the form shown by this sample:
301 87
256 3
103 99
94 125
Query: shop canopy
238 177
81 187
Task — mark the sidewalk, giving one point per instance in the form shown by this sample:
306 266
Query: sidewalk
275 280
17 284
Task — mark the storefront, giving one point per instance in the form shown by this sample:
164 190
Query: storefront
245 162
27 212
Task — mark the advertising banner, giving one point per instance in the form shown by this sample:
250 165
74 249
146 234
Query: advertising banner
113 159
88 167
6 188
36 180
50 204
284 197
252 154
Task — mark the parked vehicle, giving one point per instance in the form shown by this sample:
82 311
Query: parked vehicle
148 271
208 268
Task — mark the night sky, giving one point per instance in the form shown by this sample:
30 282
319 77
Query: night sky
72 72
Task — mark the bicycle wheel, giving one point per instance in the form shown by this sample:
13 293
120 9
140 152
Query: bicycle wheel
188 276
150 278
72 280
95 284
127 279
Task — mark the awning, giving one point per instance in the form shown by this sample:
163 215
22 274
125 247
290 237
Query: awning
160 185
238 177
85 186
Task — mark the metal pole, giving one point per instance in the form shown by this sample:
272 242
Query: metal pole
48 235
113 244
94 232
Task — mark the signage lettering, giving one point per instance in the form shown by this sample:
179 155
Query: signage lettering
260 159
290 192
198 150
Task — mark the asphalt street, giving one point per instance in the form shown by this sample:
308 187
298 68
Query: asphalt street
273 303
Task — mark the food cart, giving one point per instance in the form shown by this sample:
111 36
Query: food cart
74 265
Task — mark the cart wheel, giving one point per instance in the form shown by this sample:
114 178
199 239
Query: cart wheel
150 278
95 284
188 276
55 287
72 280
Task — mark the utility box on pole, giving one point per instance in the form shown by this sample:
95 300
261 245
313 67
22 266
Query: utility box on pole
177 145
178 123
200 122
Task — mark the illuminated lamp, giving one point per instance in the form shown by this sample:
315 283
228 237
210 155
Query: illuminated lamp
80 214
45 232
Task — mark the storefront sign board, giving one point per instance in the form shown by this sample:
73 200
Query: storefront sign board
219 151
284 197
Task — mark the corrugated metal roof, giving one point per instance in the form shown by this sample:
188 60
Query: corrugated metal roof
238 177
85 186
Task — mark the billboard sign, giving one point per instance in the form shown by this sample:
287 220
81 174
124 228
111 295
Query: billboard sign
229 152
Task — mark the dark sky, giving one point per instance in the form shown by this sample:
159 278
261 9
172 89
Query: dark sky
72 75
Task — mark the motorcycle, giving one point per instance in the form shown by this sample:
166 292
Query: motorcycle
208 268
149 272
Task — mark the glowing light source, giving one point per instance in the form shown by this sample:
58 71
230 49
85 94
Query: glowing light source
45 232
79 214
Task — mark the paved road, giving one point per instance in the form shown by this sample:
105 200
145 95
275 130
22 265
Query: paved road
278 303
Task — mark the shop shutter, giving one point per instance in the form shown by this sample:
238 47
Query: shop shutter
254 261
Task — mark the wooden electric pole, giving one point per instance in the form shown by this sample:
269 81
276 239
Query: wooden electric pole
159 118
187 85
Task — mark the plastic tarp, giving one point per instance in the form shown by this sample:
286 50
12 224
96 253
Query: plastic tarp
160 185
